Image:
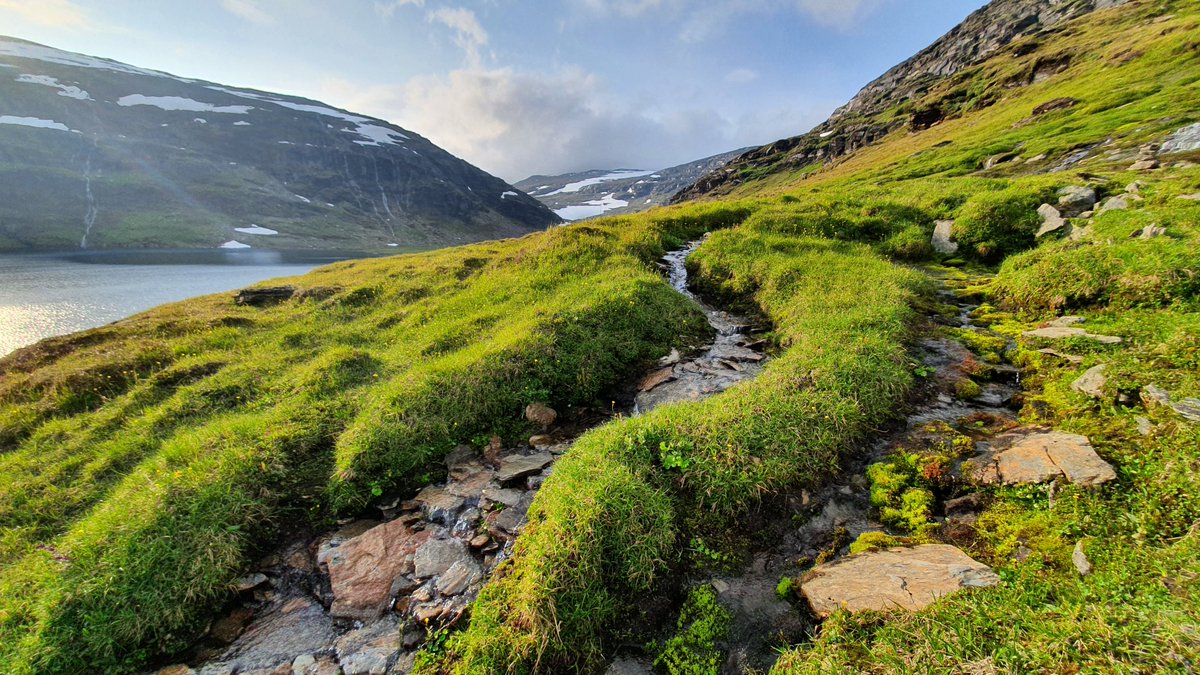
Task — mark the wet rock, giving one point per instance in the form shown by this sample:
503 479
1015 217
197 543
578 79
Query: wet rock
629 666
656 378
670 359
229 628
369 650
1062 332
1092 382
463 461
1080 560
469 487
438 555
363 570
250 582
284 629
1052 220
436 500
909 579
513 467
540 413
461 575
302 664
1031 455
943 241
1074 200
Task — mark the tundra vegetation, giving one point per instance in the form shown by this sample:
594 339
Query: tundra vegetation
144 464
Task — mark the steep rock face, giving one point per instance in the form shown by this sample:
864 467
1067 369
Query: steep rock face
587 194
863 121
96 153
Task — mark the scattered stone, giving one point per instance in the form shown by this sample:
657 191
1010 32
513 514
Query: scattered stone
1091 382
509 520
1080 560
1055 104
1144 426
1189 408
943 242
656 378
468 488
1134 188
540 441
505 496
540 413
438 555
1194 198
1022 553
1071 358
1065 321
1150 232
438 500
1147 158
1031 455
178 669
513 467
1117 203
363 570
670 359
1184 139
1153 395
263 297
909 579
1062 332
288 627
459 577
303 663
479 541
251 582
1052 220
1074 200
1080 232
463 461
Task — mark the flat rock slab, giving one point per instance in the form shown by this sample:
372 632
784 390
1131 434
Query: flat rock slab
1092 382
513 467
1063 332
363 569
289 627
1031 456
905 578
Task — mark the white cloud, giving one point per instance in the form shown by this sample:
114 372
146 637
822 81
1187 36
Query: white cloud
838 13
387 9
625 7
741 76
469 34
701 19
248 10
515 124
55 13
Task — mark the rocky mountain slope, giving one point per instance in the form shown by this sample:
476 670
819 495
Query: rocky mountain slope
99 154
586 194
894 100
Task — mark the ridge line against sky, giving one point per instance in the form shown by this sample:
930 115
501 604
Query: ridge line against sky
522 88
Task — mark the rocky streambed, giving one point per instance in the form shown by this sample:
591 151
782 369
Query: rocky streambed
366 597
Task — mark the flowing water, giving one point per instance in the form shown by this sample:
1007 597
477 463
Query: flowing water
292 614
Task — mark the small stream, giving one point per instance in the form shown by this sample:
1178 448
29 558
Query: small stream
357 599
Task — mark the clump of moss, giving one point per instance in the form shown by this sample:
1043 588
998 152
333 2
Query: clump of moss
873 541
695 649
988 346
992 225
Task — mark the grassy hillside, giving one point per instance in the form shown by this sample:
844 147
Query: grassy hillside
142 465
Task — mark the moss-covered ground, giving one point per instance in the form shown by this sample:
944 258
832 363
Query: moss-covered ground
144 464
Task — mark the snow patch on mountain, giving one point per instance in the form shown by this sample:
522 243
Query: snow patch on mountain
181 103
615 175
234 244
256 229
69 91
591 208
27 50
508 193
34 122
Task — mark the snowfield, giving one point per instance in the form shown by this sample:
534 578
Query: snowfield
255 229
181 103
591 208
615 175
234 244
34 122
66 90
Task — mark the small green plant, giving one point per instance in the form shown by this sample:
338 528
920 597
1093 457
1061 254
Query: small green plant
671 454
785 588
695 649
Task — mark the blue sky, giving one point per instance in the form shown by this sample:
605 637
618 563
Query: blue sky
524 87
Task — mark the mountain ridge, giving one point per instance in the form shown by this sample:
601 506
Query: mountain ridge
97 153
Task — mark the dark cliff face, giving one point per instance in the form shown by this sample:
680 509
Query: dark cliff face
100 154
862 121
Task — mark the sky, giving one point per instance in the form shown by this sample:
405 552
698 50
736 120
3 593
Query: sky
531 87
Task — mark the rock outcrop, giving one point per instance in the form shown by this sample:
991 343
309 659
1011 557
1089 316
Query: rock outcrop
1031 455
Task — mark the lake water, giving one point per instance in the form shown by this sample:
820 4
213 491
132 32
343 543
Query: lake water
46 294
